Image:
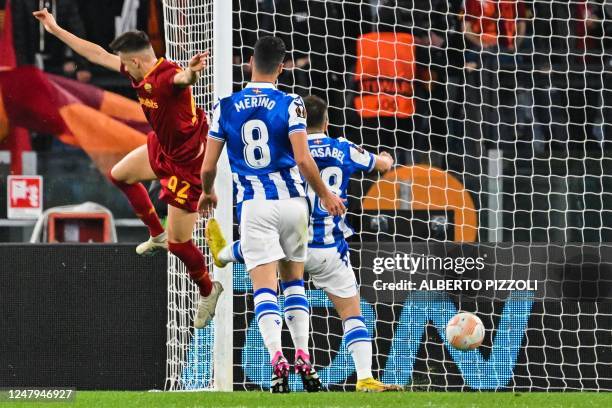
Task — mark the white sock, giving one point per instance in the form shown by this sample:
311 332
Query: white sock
297 313
359 344
269 319
231 253
161 237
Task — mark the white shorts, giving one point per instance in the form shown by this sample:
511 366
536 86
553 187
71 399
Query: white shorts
272 230
330 272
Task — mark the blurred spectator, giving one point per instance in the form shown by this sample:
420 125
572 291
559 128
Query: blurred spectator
35 47
578 28
586 101
287 19
589 31
99 21
494 31
292 24
388 81
436 27
100 24
151 20
493 27
251 20
2 5
572 50
334 28
317 34
16 140
412 16
606 14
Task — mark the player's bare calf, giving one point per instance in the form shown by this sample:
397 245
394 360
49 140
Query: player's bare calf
180 228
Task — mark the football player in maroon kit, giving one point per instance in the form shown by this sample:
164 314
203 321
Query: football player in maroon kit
173 153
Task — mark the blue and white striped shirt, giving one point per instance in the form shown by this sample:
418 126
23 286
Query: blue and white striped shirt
256 124
337 160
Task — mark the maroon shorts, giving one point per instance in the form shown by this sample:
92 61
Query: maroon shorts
181 185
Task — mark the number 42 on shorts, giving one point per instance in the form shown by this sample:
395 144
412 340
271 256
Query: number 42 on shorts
179 190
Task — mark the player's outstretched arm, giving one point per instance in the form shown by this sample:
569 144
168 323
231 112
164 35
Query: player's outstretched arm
92 52
384 162
191 74
208 199
331 202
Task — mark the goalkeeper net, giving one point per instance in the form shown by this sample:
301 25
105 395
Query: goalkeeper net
495 114
188 28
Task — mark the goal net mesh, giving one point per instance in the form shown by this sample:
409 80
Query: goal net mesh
188 26
495 114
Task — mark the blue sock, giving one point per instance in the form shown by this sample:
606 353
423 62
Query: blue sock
237 251
232 253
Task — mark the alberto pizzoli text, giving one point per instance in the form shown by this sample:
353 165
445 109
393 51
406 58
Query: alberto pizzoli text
450 285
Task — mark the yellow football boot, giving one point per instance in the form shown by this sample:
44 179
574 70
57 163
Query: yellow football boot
372 385
215 241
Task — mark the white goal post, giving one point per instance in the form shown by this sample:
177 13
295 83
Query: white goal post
201 359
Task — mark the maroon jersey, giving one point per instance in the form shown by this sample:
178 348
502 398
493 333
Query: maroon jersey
180 127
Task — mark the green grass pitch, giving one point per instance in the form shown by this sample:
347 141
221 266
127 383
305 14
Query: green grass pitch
329 400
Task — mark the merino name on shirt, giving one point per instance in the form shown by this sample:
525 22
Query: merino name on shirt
254 102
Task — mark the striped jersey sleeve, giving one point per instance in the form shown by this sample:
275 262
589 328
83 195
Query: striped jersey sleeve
297 114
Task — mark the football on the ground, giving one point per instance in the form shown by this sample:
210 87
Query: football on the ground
465 331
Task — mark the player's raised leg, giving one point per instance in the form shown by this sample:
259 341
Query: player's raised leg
180 229
359 343
221 252
216 242
127 175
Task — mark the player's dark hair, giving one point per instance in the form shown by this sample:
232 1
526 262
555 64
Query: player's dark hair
130 41
316 112
269 53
